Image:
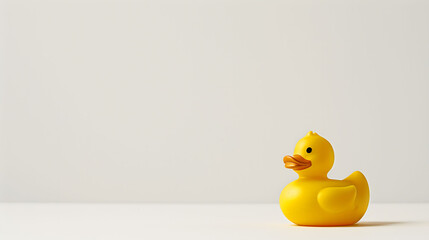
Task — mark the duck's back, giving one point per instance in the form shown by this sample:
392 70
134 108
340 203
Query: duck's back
362 197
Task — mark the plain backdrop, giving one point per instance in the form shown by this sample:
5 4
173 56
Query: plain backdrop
198 101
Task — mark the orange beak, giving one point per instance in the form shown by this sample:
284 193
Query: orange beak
296 162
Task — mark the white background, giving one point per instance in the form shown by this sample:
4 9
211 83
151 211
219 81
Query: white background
198 101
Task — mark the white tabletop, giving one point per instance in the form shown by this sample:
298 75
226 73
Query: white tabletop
197 221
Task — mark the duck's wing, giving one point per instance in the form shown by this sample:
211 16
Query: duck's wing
337 199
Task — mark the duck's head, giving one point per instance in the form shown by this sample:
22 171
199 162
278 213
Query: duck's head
313 157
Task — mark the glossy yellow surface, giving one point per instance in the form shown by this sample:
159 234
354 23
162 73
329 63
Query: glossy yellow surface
314 199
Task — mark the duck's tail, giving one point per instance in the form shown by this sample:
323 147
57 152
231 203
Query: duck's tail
362 196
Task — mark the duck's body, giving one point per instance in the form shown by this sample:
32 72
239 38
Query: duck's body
315 200
326 202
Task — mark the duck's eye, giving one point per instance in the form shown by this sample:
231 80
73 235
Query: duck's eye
309 150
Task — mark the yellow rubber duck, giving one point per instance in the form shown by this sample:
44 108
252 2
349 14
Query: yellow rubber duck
314 199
